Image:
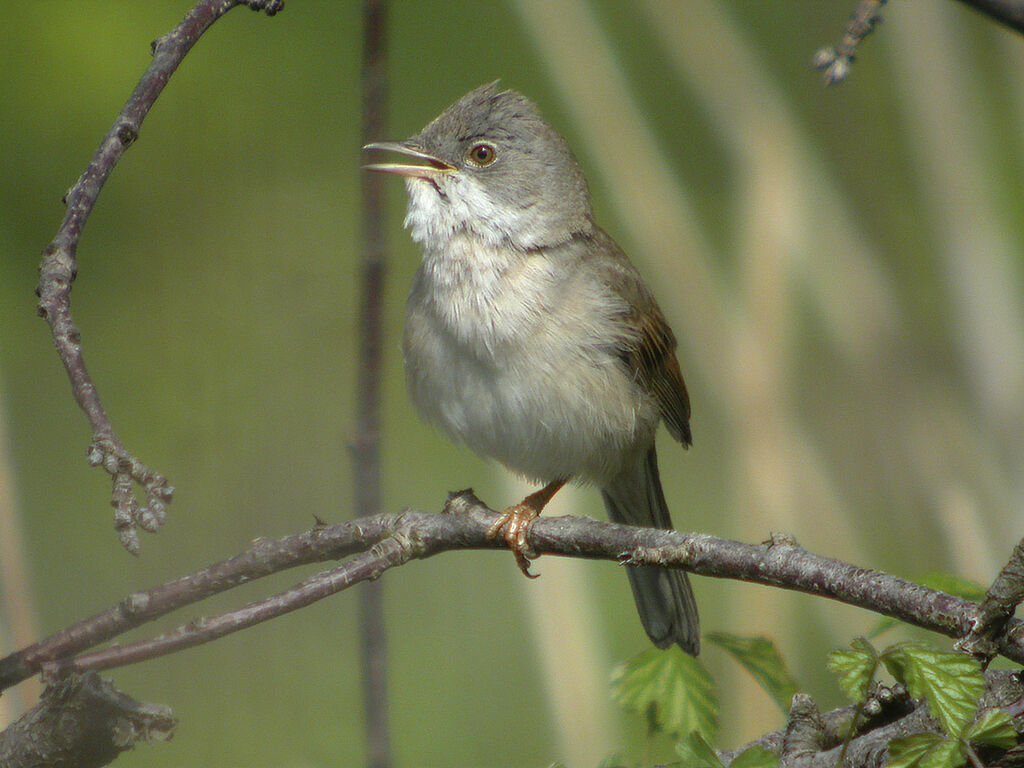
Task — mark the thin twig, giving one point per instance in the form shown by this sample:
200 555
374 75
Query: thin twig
263 558
58 269
836 60
368 566
391 540
366 446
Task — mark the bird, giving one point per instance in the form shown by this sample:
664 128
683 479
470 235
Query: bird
529 335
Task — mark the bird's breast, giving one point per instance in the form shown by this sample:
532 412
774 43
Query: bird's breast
514 354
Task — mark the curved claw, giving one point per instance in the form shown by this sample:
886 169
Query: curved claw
516 520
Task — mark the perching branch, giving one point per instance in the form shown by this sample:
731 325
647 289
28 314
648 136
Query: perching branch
58 269
384 541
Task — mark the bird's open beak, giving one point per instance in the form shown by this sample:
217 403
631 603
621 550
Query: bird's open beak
431 167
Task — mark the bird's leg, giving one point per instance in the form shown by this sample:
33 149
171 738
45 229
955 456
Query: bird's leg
517 519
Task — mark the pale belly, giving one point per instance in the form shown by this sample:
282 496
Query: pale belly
531 380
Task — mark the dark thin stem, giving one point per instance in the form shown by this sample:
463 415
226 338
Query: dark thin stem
366 450
59 267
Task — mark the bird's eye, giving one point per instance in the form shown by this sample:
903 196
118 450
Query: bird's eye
482 154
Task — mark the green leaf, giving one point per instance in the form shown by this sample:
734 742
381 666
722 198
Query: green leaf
670 688
761 659
755 757
954 585
697 753
994 728
924 750
855 668
951 683
884 625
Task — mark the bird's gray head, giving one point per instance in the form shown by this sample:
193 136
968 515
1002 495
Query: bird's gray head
491 168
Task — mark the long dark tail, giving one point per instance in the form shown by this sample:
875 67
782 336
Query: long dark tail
663 597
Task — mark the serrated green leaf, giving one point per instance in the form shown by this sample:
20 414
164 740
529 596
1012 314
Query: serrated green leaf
855 668
908 752
895 662
951 683
759 656
670 687
697 753
954 585
755 757
924 750
994 728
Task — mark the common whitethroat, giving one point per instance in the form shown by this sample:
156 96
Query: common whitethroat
530 336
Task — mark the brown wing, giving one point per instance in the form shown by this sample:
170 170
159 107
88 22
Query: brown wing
649 354
658 372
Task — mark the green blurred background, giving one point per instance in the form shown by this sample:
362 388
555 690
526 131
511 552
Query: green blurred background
843 268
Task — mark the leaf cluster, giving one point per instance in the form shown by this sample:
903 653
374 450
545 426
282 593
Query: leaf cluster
674 693
950 683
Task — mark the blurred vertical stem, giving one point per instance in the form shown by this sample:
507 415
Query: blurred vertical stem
366 448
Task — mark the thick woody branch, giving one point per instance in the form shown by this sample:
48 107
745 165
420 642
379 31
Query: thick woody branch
1001 600
810 740
59 267
81 722
805 730
387 540
822 733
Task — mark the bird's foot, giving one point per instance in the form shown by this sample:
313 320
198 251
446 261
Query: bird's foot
516 520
